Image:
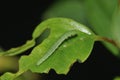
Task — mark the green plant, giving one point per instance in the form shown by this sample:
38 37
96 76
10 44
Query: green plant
58 40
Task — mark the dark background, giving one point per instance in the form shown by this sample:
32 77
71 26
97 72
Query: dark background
17 22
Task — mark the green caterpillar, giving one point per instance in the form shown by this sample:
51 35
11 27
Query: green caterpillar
56 45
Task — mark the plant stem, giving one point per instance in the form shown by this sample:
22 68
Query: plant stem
100 38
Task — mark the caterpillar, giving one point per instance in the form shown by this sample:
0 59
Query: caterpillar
56 45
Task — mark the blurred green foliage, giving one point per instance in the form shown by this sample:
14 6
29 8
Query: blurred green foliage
96 14
117 78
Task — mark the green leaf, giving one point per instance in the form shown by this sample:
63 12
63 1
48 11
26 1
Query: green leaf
26 76
99 14
18 50
7 76
77 47
66 42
